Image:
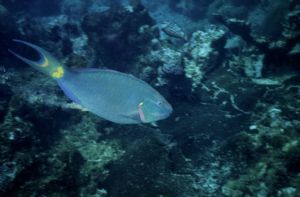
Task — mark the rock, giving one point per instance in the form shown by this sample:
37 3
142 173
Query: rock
201 54
276 52
117 35
287 192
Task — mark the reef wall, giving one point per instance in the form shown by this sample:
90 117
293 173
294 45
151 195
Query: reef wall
230 70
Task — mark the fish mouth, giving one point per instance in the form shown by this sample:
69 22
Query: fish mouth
169 109
167 112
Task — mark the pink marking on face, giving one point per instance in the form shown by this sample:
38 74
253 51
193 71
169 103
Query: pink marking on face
141 113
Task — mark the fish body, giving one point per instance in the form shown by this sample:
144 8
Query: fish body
112 95
174 30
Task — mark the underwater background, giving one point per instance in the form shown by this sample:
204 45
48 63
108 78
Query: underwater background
230 69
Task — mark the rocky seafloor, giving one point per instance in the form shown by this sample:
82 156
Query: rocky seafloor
230 69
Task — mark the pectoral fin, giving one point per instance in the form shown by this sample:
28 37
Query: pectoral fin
133 116
68 93
154 124
76 106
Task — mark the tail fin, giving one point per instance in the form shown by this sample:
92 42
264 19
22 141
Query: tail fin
46 64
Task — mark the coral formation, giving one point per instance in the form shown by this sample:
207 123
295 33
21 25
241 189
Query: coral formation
118 34
201 54
273 136
229 68
167 60
276 52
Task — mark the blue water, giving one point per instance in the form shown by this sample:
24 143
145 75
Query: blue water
230 69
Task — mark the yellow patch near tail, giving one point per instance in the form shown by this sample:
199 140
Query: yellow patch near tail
58 73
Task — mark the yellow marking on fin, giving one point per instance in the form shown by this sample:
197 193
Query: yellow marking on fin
46 62
58 73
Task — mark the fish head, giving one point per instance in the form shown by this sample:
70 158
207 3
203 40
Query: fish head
151 110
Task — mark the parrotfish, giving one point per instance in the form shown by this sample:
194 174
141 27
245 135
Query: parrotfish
174 30
112 95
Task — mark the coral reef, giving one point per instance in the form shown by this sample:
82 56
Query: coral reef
276 52
118 34
166 59
7 174
229 68
71 158
273 137
202 53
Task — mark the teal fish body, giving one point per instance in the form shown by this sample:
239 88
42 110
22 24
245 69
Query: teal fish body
112 95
